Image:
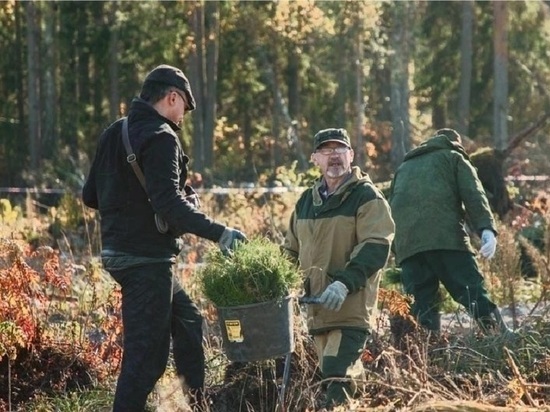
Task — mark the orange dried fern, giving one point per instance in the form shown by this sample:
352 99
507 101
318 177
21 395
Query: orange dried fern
17 284
25 277
395 303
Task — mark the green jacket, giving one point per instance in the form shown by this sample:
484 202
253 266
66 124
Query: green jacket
345 238
432 191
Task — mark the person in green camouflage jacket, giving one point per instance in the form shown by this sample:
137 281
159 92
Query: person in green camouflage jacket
340 232
432 192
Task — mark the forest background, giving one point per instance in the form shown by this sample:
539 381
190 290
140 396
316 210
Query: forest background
266 76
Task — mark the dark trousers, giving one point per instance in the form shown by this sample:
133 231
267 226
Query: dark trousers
339 352
459 274
154 309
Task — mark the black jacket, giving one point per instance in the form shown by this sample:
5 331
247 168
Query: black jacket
126 210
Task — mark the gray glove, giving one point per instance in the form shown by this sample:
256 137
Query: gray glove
334 295
230 238
488 244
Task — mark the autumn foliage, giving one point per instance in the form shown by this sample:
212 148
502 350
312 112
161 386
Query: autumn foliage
60 326
35 356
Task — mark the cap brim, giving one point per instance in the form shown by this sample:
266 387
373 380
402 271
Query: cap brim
333 140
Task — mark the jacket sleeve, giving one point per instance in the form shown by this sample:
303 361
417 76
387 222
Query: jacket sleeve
375 231
291 245
89 191
162 170
473 196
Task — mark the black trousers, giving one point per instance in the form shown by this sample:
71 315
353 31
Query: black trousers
155 309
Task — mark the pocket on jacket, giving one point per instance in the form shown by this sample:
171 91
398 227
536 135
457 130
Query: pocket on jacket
318 281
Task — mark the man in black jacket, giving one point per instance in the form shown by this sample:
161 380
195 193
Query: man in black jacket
137 252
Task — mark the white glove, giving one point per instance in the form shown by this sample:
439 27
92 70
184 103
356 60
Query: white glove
334 295
488 244
229 239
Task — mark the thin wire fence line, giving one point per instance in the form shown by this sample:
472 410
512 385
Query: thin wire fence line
249 188
213 190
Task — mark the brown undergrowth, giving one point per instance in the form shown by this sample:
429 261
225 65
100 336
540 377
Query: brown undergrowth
45 344
60 333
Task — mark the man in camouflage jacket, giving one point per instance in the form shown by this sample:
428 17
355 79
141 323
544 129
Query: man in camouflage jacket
433 190
340 232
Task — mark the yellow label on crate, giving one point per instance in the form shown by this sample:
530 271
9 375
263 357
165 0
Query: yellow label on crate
234 333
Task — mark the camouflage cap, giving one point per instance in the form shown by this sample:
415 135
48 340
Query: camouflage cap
451 134
331 135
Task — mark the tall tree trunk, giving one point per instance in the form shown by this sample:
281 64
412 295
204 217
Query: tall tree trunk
293 79
341 96
359 99
281 107
196 78
275 152
500 109
439 111
69 121
212 35
83 75
18 149
400 44
49 72
33 59
249 154
114 91
276 128
465 67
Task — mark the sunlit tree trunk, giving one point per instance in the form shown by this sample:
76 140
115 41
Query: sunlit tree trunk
281 109
69 120
33 82
465 67
18 149
399 63
341 54
212 34
203 76
359 99
49 77
293 82
500 109
196 78
281 116
84 88
114 92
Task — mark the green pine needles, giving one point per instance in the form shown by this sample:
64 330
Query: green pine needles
257 271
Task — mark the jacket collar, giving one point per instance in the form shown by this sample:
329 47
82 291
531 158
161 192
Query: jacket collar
438 142
144 109
356 176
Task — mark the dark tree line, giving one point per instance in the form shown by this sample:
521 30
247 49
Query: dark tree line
267 76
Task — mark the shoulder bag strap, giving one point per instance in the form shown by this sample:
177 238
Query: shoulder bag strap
131 158
160 223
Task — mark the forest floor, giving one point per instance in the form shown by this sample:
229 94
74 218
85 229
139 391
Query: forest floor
455 326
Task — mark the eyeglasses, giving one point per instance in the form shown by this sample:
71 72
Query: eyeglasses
182 98
330 150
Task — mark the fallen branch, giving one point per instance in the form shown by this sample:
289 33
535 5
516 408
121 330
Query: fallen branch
528 131
519 377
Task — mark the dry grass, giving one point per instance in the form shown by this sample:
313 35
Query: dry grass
406 369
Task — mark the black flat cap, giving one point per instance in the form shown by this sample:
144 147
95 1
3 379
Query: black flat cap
172 76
